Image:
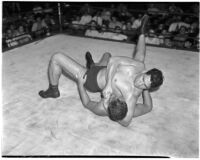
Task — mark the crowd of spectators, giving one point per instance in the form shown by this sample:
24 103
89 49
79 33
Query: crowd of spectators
168 25
20 28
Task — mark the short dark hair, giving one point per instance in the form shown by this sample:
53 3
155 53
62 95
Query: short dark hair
117 110
156 78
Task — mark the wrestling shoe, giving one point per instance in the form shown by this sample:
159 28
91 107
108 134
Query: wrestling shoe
143 27
51 92
89 60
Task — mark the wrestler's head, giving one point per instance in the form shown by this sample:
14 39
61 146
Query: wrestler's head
151 80
117 109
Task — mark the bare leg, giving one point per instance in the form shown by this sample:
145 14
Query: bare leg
60 62
140 51
104 60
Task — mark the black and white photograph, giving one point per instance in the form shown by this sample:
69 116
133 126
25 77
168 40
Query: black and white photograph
105 79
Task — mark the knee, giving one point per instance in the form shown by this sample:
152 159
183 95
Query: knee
107 54
56 57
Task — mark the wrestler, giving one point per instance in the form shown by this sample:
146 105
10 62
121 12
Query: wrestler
127 79
94 82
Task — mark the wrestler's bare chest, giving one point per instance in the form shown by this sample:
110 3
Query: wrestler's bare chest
123 80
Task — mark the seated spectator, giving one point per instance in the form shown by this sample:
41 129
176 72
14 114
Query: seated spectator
22 36
137 22
168 42
92 31
86 18
9 41
114 23
13 30
160 28
97 17
39 28
76 23
152 38
20 30
47 9
104 33
152 9
164 34
112 9
131 33
132 20
121 7
184 23
15 36
8 34
106 17
188 43
86 9
49 21
180 38
194 29
30 20
124 14
174 9
37 9
118 35
177 24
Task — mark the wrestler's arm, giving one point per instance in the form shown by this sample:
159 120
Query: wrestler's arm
95 107
135 110
147 105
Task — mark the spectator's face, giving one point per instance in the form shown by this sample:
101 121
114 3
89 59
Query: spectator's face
182 30
107 14
103 27
164 31
78 18
128 26
21 29
118 30
12 27
140 16
160 26
188 44
168 42
9 33
38 19
114 19
194 25
132 19
93 25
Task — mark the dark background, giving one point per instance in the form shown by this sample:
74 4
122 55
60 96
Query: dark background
28 6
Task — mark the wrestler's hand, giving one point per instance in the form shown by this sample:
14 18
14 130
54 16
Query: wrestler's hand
81 79
107 92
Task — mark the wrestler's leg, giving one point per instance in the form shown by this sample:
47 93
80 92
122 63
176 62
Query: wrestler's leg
60 62
102 62
140 50
104 59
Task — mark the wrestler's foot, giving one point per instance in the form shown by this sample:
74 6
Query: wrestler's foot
89 60
51 92
143 27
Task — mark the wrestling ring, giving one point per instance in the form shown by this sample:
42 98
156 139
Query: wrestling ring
36 126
